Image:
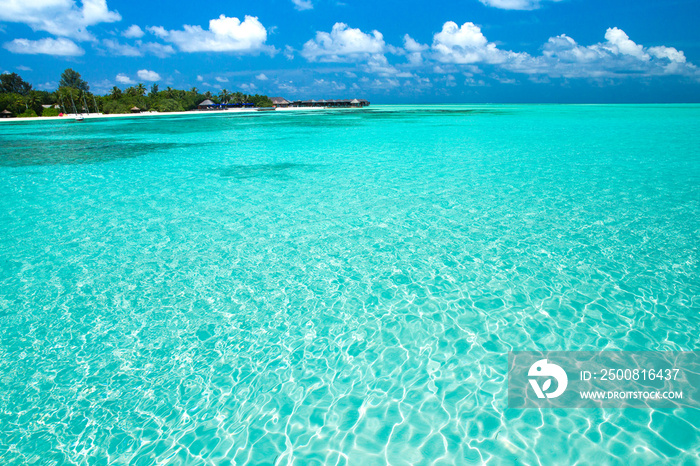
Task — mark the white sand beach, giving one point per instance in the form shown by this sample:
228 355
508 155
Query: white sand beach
86 116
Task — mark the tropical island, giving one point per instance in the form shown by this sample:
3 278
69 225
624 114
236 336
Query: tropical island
18 98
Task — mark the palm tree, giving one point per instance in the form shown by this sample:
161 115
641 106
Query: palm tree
169 92
224 96
140 89
154 89
31 100
194 91
116 92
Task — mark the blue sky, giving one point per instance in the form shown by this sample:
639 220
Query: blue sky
385 51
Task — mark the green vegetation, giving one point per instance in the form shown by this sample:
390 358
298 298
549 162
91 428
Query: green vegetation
19 98
171 100
13 83
71 78
28 114
50 112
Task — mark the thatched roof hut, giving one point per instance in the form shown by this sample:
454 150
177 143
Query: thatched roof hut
205 105
135 110
5 114
280 102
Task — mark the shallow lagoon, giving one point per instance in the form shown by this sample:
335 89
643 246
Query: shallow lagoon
340 287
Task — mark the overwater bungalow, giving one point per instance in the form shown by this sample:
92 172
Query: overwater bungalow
280 102
339 103
209 105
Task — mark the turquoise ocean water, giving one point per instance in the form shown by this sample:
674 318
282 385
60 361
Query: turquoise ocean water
341 287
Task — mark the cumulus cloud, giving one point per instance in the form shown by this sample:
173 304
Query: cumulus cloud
224 35
414 49
617 56
57 47
139 49
133 32
148 75
378 64
346 44
343 44
302 5
58 17
466 44
562 56
221 79
620 43
261 77
124 79
515 4
669 53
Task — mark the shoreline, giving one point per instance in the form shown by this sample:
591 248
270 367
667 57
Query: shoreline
96 116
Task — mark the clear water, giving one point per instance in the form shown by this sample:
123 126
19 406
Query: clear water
340 288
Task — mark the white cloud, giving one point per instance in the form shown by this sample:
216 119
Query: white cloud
302 5
57 47
515 4
384 84
58 17
249 87
133 32
122 50
124 79
261 77
620 43
221 79
343 44
465 44
617 56
148 75
159 31
139 49
561 56
154 48
224 35
23 68
378 64
288 52
669 53
329 86
414 49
